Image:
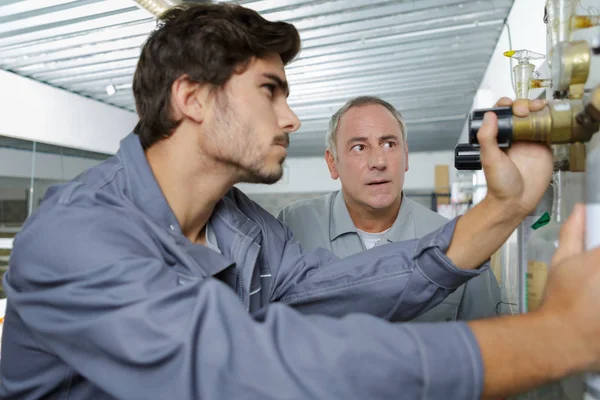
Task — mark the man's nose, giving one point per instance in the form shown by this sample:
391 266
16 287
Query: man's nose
378 160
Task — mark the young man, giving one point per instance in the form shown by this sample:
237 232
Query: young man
368 151
150 277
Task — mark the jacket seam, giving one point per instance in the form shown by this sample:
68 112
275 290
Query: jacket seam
67 196
424 369
69 383
472 357
368 281
110 177
452 269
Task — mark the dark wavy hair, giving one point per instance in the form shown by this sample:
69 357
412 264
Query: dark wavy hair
207 42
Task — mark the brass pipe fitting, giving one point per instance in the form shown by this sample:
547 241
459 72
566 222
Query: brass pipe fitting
558 122
571 65
555 123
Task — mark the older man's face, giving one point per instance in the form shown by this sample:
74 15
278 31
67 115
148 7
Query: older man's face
372 157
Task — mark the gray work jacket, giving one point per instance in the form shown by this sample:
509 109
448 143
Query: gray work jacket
325 222
107 299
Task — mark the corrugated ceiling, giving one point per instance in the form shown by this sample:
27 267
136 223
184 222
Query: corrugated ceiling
427 57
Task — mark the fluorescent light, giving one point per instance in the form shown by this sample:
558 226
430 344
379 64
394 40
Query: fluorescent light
6 243
157 7
111 89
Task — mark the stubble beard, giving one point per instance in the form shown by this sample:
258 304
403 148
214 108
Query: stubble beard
236 145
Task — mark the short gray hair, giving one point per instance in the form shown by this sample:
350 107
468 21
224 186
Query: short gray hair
357 102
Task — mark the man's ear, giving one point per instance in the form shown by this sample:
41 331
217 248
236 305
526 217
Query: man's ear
405 157
188 99
330 160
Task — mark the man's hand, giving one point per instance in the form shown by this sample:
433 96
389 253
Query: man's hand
516 182
518 178
572 296
562 337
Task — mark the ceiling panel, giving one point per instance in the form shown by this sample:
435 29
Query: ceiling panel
427 57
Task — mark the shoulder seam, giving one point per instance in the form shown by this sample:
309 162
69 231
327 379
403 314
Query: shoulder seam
65 198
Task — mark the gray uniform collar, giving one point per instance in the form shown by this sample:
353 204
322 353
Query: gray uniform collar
341 222
143 188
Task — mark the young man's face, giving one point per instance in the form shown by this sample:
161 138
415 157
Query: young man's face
250 121
372 157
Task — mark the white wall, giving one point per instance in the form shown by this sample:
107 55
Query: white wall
310 174
18 164
421 173
38 112
301 174
11 193
16 170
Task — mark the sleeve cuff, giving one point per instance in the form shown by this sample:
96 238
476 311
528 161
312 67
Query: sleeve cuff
435 265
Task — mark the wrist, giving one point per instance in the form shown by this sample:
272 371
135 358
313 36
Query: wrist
503 211
569 353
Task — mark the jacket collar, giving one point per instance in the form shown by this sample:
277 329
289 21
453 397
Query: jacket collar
143 189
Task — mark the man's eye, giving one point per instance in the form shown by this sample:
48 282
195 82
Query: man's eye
270 87
358 147
389 145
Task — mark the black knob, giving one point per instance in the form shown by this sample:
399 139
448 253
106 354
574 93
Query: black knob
505 127
466 157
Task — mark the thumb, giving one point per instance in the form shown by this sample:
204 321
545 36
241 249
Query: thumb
572 236
487 138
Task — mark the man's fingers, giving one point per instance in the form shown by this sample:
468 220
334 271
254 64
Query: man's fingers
572 236
487 138
537 105
522 107
503 102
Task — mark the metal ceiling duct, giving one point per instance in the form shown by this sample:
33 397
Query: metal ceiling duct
157 7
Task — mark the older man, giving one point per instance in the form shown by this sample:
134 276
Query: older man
368 151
